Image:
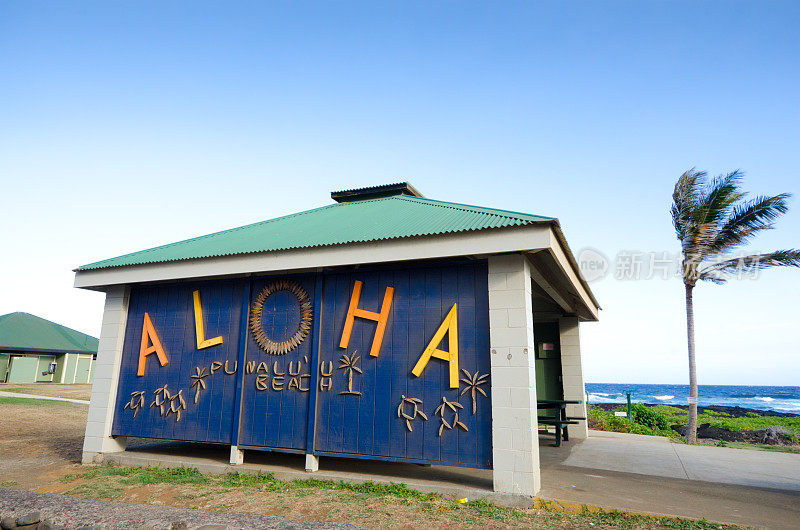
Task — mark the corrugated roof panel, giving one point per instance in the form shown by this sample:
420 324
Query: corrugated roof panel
337 224
26 332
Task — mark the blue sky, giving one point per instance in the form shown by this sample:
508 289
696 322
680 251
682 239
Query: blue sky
124 125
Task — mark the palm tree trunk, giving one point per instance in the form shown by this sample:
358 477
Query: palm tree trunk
691 432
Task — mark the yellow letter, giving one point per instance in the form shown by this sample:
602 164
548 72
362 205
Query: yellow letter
198 326
381 318
449 326
149 332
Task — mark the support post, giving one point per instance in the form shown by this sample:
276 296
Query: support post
630 414
241 356
312 463
237 456
572 374
98 439
515 438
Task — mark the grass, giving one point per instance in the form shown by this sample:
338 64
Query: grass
17 389
750 422
109 481
99 491
32 401
757 447
605 420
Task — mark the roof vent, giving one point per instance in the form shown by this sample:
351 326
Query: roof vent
375 192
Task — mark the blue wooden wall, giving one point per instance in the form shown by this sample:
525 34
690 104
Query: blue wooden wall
277 416
171 311
327 419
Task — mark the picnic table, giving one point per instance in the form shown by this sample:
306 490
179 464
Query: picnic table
560 421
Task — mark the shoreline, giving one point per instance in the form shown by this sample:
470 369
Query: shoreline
736 412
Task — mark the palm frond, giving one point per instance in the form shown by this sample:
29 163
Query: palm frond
746 220
719 199
721 271
685 200
720 195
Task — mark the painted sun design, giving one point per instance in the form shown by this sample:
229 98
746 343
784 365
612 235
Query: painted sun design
306 314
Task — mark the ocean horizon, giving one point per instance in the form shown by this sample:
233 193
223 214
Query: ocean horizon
774 398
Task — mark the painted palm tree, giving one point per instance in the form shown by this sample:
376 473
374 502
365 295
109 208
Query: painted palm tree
350 365
712 219
198 382
473 383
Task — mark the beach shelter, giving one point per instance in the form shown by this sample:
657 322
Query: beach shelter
385 326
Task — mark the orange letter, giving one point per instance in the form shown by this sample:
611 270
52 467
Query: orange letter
149 332
449 326
202 342
381 318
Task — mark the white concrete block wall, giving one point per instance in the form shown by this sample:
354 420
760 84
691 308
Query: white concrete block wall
515 440
572 374
104 388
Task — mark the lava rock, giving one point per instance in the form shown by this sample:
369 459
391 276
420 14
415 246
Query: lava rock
8 523
680 429
47 525
775 436
29 519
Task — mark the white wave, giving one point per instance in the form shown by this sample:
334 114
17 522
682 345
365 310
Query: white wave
664 398
604 398
600 394
786 406
764 398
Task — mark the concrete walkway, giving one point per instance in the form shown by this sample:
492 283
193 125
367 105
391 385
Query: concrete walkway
615 471
653 475
3 393
657 456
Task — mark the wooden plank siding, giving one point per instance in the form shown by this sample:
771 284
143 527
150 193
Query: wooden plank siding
330 418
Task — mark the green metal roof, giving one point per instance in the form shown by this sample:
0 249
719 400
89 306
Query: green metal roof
26 332
357 221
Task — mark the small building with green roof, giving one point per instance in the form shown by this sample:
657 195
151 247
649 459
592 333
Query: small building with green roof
36 350
386 326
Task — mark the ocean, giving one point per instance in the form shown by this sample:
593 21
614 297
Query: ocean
777 398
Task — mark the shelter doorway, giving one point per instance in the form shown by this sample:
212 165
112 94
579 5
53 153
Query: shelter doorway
548 363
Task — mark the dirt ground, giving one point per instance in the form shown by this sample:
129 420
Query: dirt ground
39 442
51 390
40 450
41 445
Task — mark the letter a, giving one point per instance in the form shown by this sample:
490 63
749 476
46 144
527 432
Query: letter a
149 335
449 326
381 318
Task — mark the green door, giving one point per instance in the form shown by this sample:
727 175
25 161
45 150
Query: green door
3 367
43 374
22 369
82 371
548 364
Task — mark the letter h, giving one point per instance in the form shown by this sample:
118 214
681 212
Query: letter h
381 318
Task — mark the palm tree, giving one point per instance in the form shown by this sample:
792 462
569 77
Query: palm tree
711 219
473 383
350 364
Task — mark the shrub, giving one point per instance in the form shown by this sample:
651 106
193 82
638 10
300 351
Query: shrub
648 417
